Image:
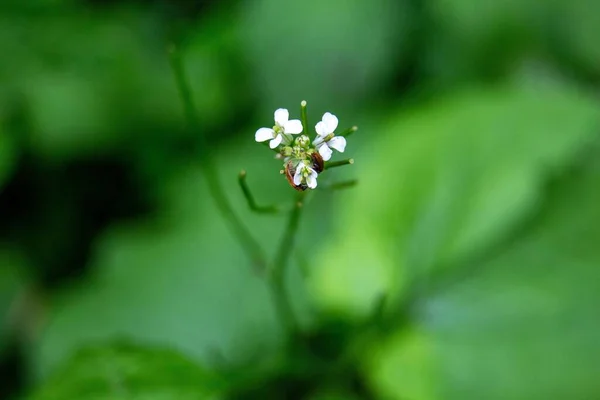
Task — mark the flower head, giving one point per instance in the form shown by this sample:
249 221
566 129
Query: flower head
303 159
305 174
326 139
281 131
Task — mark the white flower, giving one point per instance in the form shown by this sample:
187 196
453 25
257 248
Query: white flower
283 126
307 174
326 139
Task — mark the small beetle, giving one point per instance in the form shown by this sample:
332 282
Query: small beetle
317 164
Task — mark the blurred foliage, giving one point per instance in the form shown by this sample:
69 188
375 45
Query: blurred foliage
320 50
463 266
127 372
523 319
462 173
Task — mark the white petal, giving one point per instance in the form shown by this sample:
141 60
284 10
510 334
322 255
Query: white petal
331 121
318 140
298 176
293 126
281 116
275 142
264 134
311 180
321 129
325 152
338 143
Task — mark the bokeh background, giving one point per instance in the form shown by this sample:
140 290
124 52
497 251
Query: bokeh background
465 264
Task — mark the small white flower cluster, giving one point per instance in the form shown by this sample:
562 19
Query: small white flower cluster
303 160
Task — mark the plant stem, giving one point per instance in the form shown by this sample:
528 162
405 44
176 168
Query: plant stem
304 117
333 164
250 198
215 189
285 249
349 131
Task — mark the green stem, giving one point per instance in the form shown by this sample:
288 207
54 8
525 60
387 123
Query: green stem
334 164
349 131
215 189
285 249
250 198
304 117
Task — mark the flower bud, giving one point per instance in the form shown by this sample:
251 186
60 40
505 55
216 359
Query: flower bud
303 141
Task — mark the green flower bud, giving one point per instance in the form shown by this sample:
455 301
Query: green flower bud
303 141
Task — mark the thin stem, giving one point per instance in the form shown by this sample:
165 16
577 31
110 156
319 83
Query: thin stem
304 117
333 164
282 301
342 185
250 198
349 131
215 189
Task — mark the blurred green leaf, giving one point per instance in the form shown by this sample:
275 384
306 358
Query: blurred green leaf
402 366
334 395
444 183
93 82
523 323
128 372
329 53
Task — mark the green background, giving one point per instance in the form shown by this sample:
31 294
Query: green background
464 265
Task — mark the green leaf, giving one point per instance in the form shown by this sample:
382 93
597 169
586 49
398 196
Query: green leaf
402 366
444 183
522 324
124 371
88 79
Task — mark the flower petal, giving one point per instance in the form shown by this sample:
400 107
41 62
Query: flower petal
281 116
321 129
338 143
331 121
311 180
318 140
276 141
325 152
264 134
298 176
293 126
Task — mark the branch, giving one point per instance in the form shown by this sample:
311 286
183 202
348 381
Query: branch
285 249
250 198
349 131
334 164
304 117
215 189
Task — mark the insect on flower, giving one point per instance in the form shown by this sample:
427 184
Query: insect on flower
303 160
290 171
